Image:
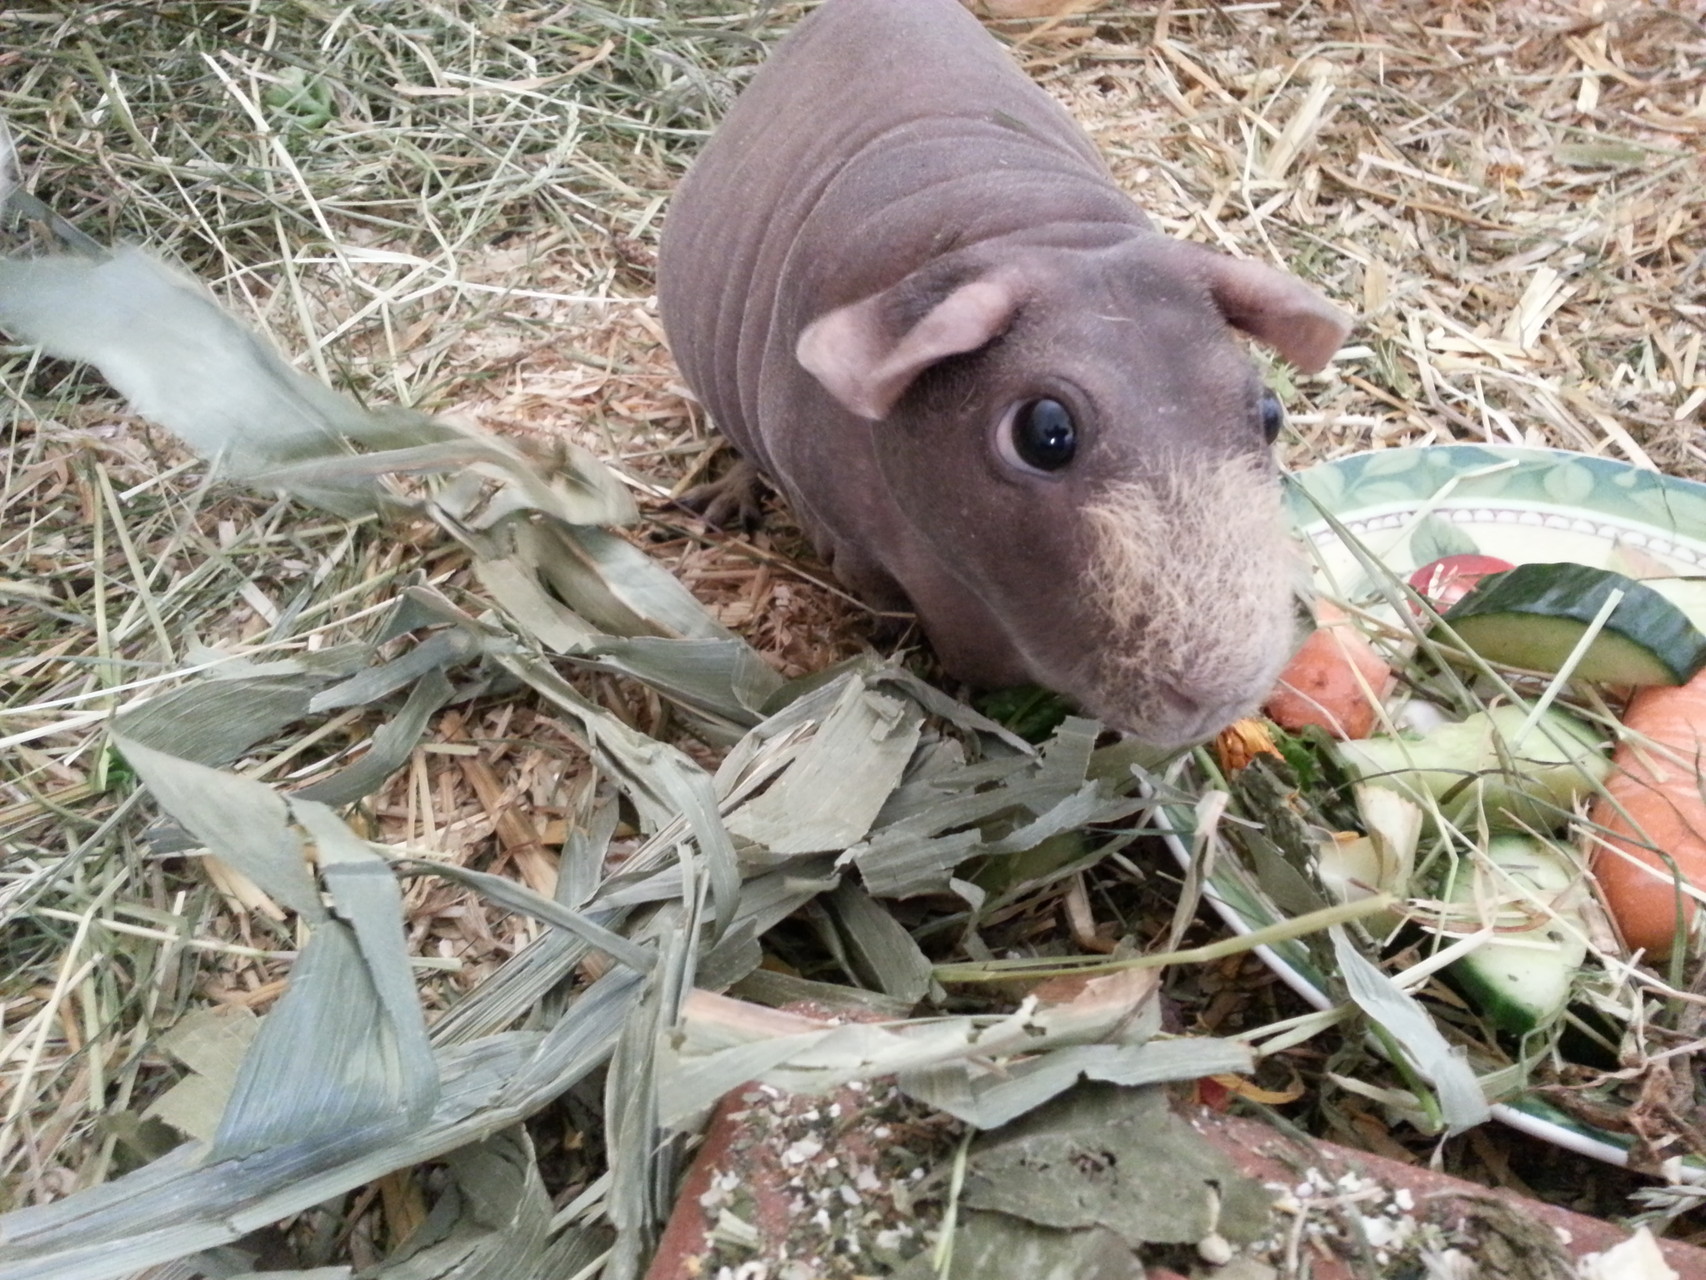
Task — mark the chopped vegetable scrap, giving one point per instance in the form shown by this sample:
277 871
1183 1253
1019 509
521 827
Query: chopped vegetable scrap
1241 742
1500 787
1537 616
1491 767
1448 579
1530 891
1654 817
1335 680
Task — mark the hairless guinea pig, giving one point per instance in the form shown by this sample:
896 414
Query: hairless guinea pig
905 285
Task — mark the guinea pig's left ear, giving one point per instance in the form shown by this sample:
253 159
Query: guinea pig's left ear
1275 308
866 357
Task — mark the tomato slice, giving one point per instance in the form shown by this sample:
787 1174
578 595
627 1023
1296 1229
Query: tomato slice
1448 579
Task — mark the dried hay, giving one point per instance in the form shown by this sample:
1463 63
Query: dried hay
456 208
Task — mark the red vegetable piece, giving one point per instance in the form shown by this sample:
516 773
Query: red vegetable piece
1448 579
1330 679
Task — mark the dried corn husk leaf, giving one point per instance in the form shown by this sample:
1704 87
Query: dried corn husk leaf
389 748
179 359
518 897
721 681
503 1226
215 720
879 945
1462 1104
182 361
211 1043
186 1202
331 1063
242 821
665 786
922 832
988 1100
976 1068
833 789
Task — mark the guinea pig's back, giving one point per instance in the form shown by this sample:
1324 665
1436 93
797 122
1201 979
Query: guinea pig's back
880 133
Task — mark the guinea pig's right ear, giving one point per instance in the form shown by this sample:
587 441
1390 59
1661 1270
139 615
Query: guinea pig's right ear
866 357
1273 307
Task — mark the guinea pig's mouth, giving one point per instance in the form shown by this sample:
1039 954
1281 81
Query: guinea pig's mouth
1192 576
1171 719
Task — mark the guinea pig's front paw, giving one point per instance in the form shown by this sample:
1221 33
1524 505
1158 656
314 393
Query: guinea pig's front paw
734 500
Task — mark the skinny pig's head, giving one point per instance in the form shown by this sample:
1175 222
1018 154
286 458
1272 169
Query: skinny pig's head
1081 454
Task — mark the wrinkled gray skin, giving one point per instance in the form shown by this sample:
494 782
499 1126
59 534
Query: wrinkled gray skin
893 241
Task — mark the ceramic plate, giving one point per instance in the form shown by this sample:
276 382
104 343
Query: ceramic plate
1408 507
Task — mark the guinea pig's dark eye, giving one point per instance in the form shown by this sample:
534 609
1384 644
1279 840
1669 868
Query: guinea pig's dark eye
1043 434
1273 416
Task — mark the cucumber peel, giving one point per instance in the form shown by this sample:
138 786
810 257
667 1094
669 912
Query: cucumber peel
1521 978
1533 617
1687 594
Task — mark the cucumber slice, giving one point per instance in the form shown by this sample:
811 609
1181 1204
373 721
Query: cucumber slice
1521 979
1468 771
1534 615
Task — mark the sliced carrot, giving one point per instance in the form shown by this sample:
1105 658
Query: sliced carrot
1658 779
1330 680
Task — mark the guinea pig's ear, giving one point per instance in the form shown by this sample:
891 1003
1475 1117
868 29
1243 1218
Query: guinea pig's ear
1275 308
866 357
